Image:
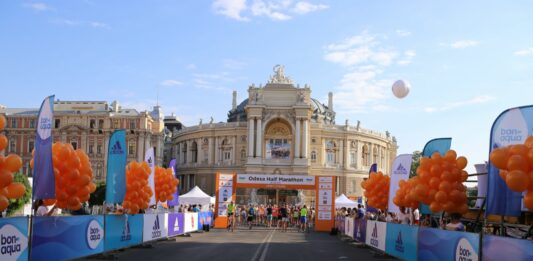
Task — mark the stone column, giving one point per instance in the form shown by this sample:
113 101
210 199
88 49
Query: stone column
199 151
210 155
360 154
251 138
234 150
324 156
370 154
217 151
64 137
259 139
84 142
305 139
189 151
140 142
178 154
297 140
347 159
341 153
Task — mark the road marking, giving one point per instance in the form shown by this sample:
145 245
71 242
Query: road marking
265 249
256 255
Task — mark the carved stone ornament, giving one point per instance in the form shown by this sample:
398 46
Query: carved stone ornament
279 75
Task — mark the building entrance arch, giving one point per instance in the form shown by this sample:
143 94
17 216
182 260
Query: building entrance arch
322 186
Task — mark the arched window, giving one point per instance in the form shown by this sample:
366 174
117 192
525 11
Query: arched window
243 155
194 151
131 148
366 156
313 156
331 151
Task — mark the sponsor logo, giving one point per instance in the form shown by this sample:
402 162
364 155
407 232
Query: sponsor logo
512 129
126 235
374 240
464 251
192 221
149 160
156 229
45 120
399 243
12 242
400 170
95 234
117 148
176 225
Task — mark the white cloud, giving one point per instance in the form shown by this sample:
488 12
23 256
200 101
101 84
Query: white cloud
524 52
270 9
99 25
365 58
93 24
453 105
403 33
303 7
170 82
38 6
461 44
230 8
233 64
191 66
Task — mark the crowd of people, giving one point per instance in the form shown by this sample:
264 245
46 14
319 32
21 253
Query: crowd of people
406 216
281 216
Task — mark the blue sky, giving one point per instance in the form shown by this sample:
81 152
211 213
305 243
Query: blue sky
466 60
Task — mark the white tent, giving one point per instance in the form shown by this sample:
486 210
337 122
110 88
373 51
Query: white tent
343 201
195 196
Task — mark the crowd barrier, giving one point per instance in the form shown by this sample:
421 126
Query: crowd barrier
70 237
420 243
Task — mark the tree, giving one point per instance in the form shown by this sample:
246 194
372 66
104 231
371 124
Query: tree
17 204
416 162
98 197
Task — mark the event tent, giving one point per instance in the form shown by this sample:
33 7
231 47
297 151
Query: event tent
343 201
195 196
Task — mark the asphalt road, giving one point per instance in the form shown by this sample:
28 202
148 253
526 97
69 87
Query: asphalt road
257 244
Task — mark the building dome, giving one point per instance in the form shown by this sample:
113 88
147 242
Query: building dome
239 114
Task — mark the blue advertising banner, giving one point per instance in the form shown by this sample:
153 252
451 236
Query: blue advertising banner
513 126
359 230
436 244
175 224
122 231
504 248
176 196
43 170
440 145
14 238
204 217
402 241
116 168
68 237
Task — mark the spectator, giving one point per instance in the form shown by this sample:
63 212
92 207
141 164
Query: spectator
360 211
403 217
42 210
416 216
455 223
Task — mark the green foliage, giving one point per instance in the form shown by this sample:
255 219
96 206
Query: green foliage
98 197
416 162
17 204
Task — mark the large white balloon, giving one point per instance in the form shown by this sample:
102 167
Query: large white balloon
400 88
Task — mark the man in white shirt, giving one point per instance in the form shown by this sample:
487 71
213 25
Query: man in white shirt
416 216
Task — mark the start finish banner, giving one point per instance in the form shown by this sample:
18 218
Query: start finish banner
14 238
275 179
376 233
155 226
68 237
437 244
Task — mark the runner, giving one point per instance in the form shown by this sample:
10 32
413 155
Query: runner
261 213
275 214
269 215
295 215
251 214
231 216
284 218
303 219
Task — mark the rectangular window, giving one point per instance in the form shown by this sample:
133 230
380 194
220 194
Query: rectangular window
13 122
227 155
99 149
31 144
100 124
57 123
132 124
32 123
352 159
91 150
12 146
74 144
92 124
131 149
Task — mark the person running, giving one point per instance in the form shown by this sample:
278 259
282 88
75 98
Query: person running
231 216
275 213
303 219
284 218
261 214
269 215
251 214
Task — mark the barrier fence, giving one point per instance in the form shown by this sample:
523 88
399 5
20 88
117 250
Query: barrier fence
421 243
69 237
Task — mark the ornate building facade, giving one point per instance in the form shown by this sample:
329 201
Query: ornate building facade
87 125
280 129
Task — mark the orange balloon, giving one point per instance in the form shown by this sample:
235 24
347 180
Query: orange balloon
519 149
2 122
517 162
529 142
503 174
441 197
15 190
3 142
517 180
6 177
461 162
49 202
528 200
3 203
435 207
92 187
13 162
445 186
499 157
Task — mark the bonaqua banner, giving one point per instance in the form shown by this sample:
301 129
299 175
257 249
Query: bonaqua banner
504 248
14 238
437 244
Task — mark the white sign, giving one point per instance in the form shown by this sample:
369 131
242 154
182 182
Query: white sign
324 215
325 197
190 222
465 251
275 179
155 226
13 242
44 123
225 193
401 166
376 234
325 186
325 179
95 234
348 226
324 208
150 159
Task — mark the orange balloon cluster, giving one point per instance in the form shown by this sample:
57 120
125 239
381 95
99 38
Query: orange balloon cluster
73 175
516 168
438 183
377 190
8 165
165 184
138 192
